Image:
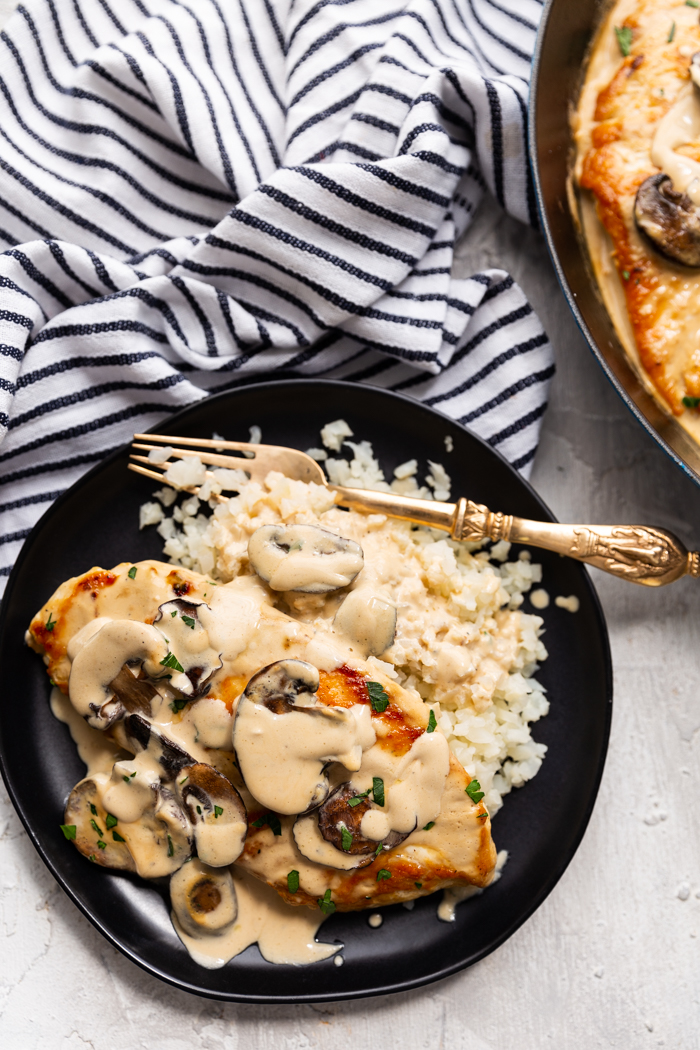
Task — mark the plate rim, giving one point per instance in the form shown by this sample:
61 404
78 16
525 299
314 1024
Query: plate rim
312 997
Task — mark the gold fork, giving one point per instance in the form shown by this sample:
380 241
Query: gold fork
640 553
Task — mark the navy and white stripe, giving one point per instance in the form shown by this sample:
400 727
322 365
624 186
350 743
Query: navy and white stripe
195 194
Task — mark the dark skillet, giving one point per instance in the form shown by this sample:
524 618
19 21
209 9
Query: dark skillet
95 523
566 32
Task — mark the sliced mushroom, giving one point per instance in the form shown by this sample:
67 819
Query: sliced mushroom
304 558
367 620
161 841
135 733
669 219
217 813
284 737
84 811
189 642
158 843
319 836
203 899
100 660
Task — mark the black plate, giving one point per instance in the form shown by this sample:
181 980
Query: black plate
566 32
95 523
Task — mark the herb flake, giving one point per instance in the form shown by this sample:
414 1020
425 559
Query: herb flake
50 624
101 844
325 903
432 722
345 837
96 827
189 621
93 809
132 572
117 837
170 660
691 402
271 820
625 275
379 698
383 874
429 825
692 3
378 790
69 830
624 39
177 706
473 789
418 885
218 810
671 33
130 777
111 821
293 880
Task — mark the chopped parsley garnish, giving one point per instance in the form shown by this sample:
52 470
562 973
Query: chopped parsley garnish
345 837
379 698
378 790
418 885
189 620
473 789
326 904
271 820
93 809
671 33
293 880
359 798
130 777
183 780
171 848
111 821
92 857
692 3
383 874
171 660
432 723
199 810
96 827
132 572
626 275
218 810
691 402
429 825
174 612
177 705
101 844
378 850
50 624
69 831
117 837
624 39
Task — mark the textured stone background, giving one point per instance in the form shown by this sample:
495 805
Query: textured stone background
611 958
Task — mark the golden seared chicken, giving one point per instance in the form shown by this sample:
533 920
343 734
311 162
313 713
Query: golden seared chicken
638 138
228 730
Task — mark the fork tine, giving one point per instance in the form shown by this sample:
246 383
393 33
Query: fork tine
147 473
165 439
232 462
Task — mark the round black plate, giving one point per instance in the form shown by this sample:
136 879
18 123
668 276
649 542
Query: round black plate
541 825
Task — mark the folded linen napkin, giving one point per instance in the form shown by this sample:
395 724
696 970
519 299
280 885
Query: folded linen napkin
195 195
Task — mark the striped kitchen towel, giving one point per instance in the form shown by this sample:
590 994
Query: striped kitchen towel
198 193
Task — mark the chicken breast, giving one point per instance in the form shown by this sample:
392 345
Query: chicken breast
638 153
365 839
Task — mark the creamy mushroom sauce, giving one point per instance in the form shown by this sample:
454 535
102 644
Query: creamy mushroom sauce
236 633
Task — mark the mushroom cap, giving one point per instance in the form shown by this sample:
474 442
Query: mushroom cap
368 620
203 899
284 737
304 558
217 813
85 811
669 219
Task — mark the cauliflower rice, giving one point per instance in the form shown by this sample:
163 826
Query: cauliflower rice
462 642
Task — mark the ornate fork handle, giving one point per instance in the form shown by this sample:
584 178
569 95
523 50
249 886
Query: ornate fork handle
638 553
